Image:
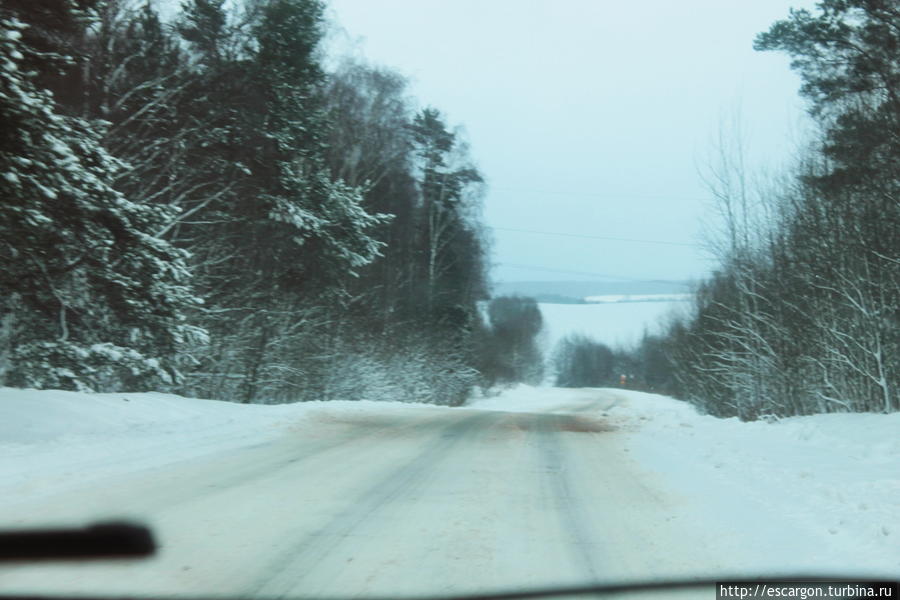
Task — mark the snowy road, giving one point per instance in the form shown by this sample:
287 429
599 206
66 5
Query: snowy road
537 487
423 500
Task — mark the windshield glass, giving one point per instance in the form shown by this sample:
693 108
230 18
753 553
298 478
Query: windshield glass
351 298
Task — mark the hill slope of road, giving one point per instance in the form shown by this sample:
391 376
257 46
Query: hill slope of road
535 487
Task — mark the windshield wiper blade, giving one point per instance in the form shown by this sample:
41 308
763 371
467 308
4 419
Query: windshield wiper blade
99 541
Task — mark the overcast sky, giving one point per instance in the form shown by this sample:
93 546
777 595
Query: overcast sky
590 117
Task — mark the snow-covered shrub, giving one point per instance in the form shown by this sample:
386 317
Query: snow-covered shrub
64 365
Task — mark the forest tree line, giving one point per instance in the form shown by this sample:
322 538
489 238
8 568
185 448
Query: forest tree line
195 204
803 314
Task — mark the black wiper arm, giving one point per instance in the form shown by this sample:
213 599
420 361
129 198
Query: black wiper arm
100 541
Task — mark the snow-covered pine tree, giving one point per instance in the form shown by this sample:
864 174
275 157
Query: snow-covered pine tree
304 205
91 298
285 235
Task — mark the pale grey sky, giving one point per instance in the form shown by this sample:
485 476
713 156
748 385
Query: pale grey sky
590 117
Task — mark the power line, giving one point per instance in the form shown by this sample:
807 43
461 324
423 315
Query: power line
595 237
603 196
588 273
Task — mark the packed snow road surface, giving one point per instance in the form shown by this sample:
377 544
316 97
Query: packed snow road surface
366 499
413 501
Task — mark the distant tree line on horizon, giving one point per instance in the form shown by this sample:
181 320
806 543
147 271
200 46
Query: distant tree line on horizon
803 314
198 206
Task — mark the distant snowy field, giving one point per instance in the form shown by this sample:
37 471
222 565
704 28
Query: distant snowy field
613 323
612 298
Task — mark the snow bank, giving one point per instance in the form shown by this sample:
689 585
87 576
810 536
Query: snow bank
52 440
32 416
54 416
836 475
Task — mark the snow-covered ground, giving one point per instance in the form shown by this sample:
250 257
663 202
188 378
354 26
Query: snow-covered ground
531 487
834 477
615 298
613 323
53 440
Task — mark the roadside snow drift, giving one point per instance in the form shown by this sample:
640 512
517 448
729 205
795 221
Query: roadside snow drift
51 440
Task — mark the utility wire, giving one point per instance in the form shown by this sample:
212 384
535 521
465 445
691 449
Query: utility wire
603 196
595 237
600 275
